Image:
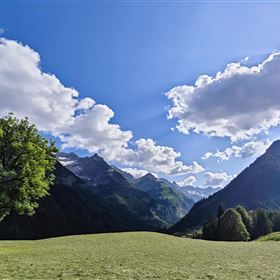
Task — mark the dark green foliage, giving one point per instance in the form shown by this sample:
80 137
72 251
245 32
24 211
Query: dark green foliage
210 229
232 228
246 218
262 224
26 166
258 223
275 218
221 211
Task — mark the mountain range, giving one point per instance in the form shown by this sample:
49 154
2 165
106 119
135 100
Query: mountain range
257 186
151 198
90 195
196 193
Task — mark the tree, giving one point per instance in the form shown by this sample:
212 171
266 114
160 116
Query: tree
246 218
262 224
209 230
26 166
221 211
232 227
275 217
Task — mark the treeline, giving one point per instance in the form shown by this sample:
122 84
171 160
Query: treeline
238 224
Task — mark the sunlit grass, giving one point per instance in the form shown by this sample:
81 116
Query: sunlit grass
275 236
139 255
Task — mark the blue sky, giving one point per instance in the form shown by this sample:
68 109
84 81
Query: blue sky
127 55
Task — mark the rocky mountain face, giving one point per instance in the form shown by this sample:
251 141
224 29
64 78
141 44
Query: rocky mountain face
256 186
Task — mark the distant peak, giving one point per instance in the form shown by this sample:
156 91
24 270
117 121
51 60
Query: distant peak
274 148
67 155
149 176
97 157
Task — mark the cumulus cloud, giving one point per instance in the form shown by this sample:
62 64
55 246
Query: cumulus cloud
27 91
78 122
216 179
254 148
136 173
189 181
238 102
160 159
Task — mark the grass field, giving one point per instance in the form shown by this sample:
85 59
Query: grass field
137 256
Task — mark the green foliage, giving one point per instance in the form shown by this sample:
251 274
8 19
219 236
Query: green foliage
258 223
26 166
275 218
262 223
246 218
232 227
210 229
221 211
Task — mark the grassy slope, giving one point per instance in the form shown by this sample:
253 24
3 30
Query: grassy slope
137 256
275 236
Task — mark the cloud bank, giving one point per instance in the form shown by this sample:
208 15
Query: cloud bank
238 103
189 181
254 148
216 179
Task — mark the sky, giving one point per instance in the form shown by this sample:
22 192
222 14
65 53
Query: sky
186 90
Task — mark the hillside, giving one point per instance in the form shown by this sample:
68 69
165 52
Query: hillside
137 256
256 186
173 204
275 236
71 208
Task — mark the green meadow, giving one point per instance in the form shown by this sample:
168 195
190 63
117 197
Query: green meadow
137 255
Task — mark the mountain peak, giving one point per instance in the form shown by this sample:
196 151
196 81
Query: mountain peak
97 157
274 148
149 176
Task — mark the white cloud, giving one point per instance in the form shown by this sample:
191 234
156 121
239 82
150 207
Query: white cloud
27 91
216 179
189 181
237 103
2 31
254 148
160 159
78 122
136 173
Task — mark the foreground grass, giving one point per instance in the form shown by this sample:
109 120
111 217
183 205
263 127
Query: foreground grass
275 236
137 256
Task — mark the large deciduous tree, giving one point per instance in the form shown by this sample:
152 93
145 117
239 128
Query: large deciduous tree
26 166
232 228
